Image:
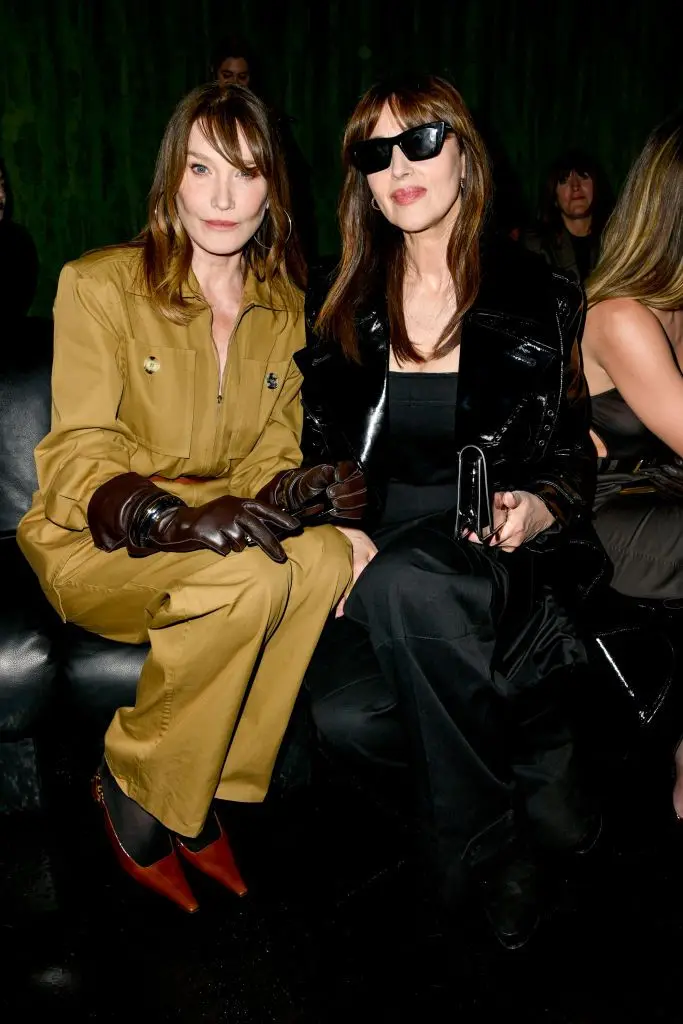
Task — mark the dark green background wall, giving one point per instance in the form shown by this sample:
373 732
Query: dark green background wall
86 87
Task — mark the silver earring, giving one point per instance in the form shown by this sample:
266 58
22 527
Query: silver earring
289 234
462 186
374 204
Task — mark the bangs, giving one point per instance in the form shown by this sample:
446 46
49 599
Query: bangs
412 104
411 110
221 129
582 163
583 170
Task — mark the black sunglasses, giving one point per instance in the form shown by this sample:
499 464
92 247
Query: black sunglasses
421 143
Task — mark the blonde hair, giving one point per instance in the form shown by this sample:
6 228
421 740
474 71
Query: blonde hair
642 246
166 247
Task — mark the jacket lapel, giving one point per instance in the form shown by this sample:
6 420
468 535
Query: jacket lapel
355 393
501 358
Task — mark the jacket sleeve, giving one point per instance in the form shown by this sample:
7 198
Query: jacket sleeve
86 445
565 477
316 443
314 446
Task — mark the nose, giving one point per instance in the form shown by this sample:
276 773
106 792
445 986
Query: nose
400 164
223 198
574 181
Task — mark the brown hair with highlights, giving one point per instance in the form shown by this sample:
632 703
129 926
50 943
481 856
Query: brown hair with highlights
166 247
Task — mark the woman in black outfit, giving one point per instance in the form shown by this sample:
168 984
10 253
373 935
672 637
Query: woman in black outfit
633 348
452 658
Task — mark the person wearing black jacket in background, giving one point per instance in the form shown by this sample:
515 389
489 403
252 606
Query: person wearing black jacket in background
574 207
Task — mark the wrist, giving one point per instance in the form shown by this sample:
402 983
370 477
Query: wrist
149 516
548 516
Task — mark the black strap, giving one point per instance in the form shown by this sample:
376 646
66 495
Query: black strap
630 466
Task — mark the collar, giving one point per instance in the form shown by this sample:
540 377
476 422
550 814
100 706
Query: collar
256 293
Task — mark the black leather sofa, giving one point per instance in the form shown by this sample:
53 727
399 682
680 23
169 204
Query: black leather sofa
47 668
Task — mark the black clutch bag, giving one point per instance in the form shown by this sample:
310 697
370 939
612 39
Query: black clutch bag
474 510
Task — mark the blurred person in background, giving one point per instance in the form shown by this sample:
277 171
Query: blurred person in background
574 207
234 62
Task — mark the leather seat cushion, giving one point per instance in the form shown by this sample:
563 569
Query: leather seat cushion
101 675
24 413
28 648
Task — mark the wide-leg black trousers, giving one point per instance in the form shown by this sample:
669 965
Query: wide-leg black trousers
449 675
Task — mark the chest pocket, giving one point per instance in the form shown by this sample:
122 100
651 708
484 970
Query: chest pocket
158 400
252 400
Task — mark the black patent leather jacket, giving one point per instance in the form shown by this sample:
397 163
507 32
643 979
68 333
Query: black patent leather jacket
522 395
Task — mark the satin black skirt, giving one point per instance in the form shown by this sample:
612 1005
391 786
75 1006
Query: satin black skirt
450 677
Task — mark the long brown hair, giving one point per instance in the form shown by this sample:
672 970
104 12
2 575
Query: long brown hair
642 246
166 247
370 245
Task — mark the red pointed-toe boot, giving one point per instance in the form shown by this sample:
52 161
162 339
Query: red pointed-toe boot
165 876
216 860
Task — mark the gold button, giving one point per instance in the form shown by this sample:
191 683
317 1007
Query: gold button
151 364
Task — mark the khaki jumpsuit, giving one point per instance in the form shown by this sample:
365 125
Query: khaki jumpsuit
230 637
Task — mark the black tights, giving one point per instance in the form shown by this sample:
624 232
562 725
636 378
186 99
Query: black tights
142 836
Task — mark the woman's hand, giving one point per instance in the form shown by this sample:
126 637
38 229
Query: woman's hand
363 553
518 517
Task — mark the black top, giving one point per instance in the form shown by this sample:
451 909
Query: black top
620 430
421 451
583 250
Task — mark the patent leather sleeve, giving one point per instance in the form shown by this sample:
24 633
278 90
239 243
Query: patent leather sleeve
565 477
316 441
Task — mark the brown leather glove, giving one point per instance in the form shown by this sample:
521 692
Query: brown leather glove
321 493
131 510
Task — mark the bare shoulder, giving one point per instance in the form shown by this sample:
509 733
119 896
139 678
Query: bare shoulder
622 323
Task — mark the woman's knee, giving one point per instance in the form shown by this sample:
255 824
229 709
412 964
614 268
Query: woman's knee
393 575
322 551
248 582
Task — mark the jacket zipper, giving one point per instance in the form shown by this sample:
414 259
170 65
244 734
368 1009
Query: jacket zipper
223 379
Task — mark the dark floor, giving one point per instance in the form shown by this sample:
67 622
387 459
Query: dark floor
331 930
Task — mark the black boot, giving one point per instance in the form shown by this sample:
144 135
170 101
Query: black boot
511 898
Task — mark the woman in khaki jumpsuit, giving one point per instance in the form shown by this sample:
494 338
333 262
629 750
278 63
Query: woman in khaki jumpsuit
170 502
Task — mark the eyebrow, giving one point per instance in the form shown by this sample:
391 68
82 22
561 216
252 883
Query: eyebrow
201 156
